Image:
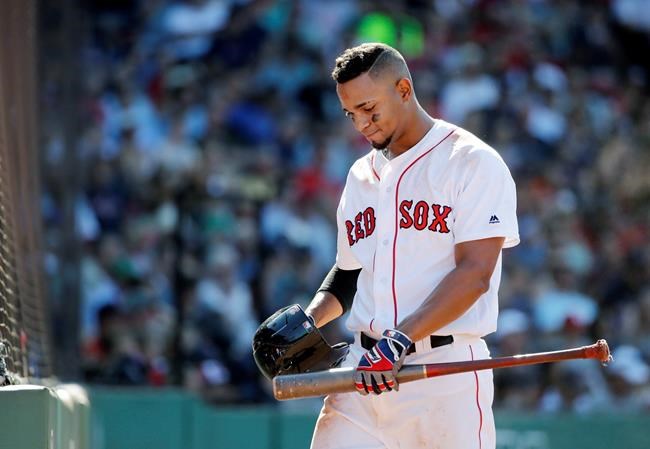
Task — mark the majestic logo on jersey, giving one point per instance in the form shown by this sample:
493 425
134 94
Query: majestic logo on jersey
494 219
422 215
363 226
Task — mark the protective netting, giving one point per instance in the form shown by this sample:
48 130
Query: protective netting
24 336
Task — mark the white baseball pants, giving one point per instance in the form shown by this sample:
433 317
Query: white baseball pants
447 412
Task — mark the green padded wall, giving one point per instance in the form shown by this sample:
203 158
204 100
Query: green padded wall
232 428
142 419
164 419
568 431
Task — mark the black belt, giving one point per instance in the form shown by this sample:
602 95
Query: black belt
436 341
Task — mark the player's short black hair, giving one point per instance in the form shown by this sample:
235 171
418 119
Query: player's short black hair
375 58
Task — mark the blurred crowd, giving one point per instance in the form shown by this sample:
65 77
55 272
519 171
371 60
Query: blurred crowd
213 150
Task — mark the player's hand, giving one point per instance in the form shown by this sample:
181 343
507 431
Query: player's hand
378 367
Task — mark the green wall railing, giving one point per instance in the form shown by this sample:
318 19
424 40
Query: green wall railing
39 417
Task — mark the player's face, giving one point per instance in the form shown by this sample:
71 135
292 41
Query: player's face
374 106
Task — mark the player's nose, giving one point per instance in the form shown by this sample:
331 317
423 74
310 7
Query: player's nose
361 124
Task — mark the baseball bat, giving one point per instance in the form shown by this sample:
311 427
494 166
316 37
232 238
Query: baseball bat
340 380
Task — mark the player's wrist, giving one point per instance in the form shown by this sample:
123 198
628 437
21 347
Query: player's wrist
398 336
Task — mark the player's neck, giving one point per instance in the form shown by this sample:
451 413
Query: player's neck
418 127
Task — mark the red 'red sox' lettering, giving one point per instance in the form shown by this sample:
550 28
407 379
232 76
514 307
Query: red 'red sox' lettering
418 216
363 226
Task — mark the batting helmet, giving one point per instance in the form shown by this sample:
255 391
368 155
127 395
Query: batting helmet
288 343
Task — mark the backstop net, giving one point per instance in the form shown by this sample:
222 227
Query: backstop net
24 336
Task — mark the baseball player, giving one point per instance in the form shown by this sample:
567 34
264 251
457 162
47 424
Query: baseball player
421 225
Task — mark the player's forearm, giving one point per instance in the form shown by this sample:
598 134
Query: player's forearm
457 292
324 308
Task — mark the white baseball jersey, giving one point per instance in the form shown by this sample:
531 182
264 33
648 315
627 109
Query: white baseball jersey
399 220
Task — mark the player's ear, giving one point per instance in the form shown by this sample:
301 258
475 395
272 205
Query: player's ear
404 88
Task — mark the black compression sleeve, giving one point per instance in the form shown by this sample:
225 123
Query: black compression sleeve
342 284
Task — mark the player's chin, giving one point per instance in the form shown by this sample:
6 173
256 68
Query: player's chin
380 145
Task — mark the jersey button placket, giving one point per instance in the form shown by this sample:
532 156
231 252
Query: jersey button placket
384 250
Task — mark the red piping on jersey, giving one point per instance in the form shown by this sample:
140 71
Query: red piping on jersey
478 404
399 180
372 166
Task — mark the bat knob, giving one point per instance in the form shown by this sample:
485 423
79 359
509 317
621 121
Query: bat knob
602 349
